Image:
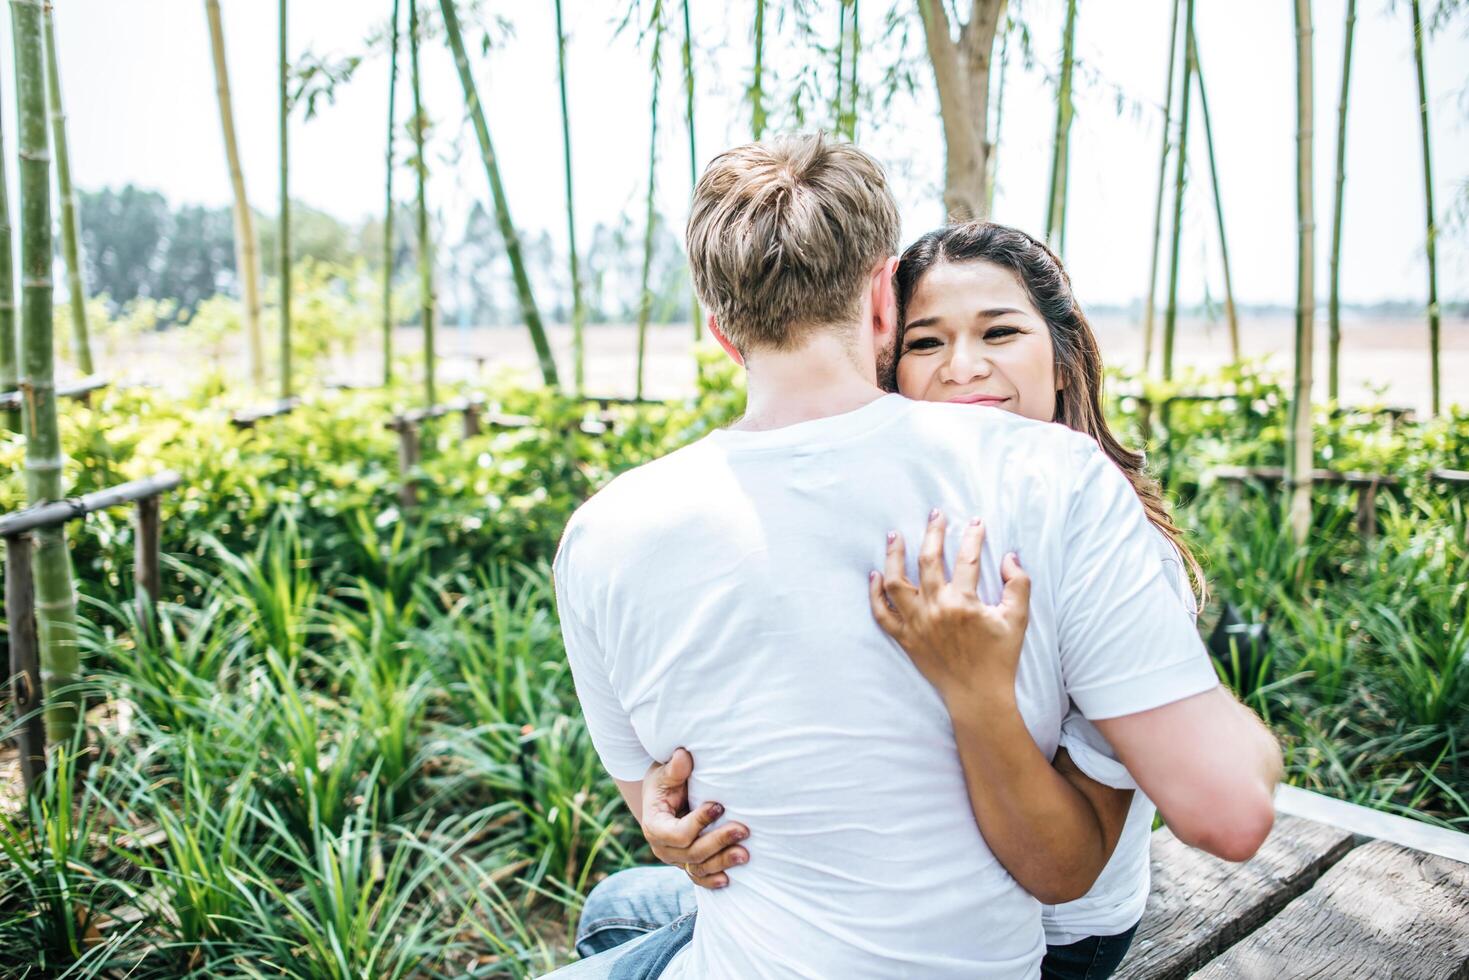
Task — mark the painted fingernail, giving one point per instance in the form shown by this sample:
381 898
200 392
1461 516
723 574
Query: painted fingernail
716 811
975 522
892 536
933 515
872 576
740 858
1016 555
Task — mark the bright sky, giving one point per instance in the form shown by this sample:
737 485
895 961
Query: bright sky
139 87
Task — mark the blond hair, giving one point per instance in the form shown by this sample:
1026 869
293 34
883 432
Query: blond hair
783 233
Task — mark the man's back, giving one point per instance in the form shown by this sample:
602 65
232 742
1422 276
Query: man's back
716 600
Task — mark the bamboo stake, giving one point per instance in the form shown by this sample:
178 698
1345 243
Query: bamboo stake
26 694
1170 316
1433 319
757 90
284 246
9 355
1056 205
1158 201
388 243
1300 454
426 297
1333 368
247 257
696 313
645 296
578 310
70 250
497 191
1229 312
55 600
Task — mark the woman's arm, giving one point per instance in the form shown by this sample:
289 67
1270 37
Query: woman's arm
1050 825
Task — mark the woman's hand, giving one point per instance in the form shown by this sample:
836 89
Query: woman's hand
968 649
677 836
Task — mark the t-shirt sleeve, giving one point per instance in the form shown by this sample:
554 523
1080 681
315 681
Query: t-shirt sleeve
1126 642
1092 753
608 723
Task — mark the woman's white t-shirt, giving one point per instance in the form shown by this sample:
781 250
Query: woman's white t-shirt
1116 901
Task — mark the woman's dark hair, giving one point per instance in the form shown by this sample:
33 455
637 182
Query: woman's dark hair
1078 362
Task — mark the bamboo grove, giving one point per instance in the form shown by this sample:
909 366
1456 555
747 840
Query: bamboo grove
960 59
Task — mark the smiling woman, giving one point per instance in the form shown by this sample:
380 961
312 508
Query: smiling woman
986 315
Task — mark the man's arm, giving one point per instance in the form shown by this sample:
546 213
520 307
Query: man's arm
1209 765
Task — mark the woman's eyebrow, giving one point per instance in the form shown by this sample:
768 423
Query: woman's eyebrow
1001 311
927 321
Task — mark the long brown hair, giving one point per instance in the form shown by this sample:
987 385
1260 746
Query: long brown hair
1078 361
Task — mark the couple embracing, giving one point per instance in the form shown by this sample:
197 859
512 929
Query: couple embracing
940 768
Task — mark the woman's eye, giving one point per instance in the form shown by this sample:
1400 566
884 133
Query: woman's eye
1001 333
922 343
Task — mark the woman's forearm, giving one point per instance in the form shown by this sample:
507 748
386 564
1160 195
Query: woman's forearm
1041 826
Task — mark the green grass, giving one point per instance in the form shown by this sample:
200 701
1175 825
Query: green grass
348 744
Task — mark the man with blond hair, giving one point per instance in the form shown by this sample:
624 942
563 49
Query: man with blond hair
716 599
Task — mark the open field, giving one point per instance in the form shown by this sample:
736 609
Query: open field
1379 355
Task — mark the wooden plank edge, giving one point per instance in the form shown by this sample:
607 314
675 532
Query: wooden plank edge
1375 824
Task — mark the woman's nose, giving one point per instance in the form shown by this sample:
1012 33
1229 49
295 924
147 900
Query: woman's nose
966 365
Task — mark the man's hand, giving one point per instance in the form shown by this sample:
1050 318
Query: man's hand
677 836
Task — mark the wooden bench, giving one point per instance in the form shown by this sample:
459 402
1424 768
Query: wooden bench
1338 891
80 389
1366 485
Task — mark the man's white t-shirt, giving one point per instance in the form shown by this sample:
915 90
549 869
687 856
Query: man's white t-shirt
716 599
1116 901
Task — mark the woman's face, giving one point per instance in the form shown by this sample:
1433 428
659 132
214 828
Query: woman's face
974 337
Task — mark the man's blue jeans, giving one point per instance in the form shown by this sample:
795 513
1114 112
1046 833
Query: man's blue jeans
633 923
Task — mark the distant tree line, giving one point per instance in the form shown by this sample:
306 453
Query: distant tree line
136 245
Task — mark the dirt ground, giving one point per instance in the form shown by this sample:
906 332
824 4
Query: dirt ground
1381 357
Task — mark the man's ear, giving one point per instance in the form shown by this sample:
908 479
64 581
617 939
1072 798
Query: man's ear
884 303
729 348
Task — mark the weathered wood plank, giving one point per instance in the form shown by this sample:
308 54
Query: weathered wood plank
1201 905
1383 911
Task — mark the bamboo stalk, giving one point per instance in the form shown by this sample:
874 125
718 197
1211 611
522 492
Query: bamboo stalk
836 102
1056 204
247 257
388 243
645 296
1170 316
55 600
992 165
1432 240
696 314
502 206
849 46
1300 451
426 297
9 355
284 246
578 310
1229 312
76 292
1333 367
757 85
1158 201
